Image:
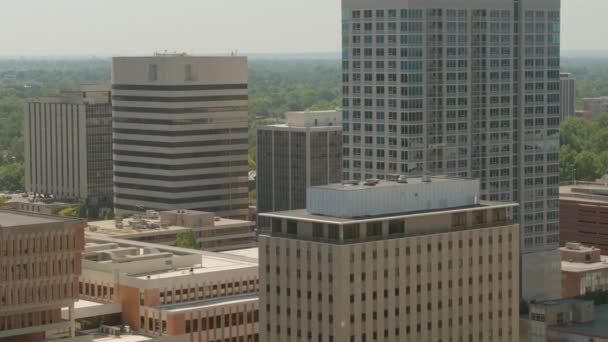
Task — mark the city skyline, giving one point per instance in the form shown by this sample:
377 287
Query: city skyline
157 31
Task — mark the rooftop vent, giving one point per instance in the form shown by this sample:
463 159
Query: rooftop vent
402 179
574 246
371 182
350 182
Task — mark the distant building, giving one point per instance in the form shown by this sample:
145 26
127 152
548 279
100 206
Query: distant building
68 145
562 320
583 214
169 293
40 258
212 233
595 105
180 133
567 95
37 207
304 151
592 329
584 270
424 260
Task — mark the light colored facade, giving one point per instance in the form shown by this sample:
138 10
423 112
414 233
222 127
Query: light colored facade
211 233
304 151
68 145
583 270
180 133
430 275
567 95
40 262
595 105
170 293
463 88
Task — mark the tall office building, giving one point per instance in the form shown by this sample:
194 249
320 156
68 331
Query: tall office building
180 133
465 88
387 261
40 262
304 151
68 145
567 95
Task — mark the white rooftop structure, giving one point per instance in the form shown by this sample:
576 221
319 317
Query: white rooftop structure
310 119
380 198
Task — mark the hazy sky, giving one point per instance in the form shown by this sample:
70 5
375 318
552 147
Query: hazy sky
114 27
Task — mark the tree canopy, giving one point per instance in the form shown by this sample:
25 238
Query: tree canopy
584 148
186 240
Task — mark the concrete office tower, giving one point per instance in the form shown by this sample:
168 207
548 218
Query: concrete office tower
180 133
463 88
68 145
40 258
416 261
567 95
304 151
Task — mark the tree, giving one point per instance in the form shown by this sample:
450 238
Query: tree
567 157
11 177
92 211
186 240
587 166
69 212
575 132
109 214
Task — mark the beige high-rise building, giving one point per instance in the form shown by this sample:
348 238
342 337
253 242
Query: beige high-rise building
414 260
180 133
40 262
68 145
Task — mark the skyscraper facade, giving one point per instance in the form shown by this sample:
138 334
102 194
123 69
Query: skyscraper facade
68 145
467 88
304 151
422 260
567 95
180 133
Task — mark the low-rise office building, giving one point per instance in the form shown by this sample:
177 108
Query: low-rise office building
415 260
169 293
211 233
583 270
565 320
584 214
40 262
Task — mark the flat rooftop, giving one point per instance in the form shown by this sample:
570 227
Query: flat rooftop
592 193
14 218
253 253
384 198
302 214
595 328
108 227
199 262
210 303
585 267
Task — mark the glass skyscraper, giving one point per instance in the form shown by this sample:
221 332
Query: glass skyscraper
461 88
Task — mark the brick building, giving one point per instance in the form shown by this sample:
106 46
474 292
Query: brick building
584 215
40 262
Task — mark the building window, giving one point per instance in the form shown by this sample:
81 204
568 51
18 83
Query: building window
152 72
